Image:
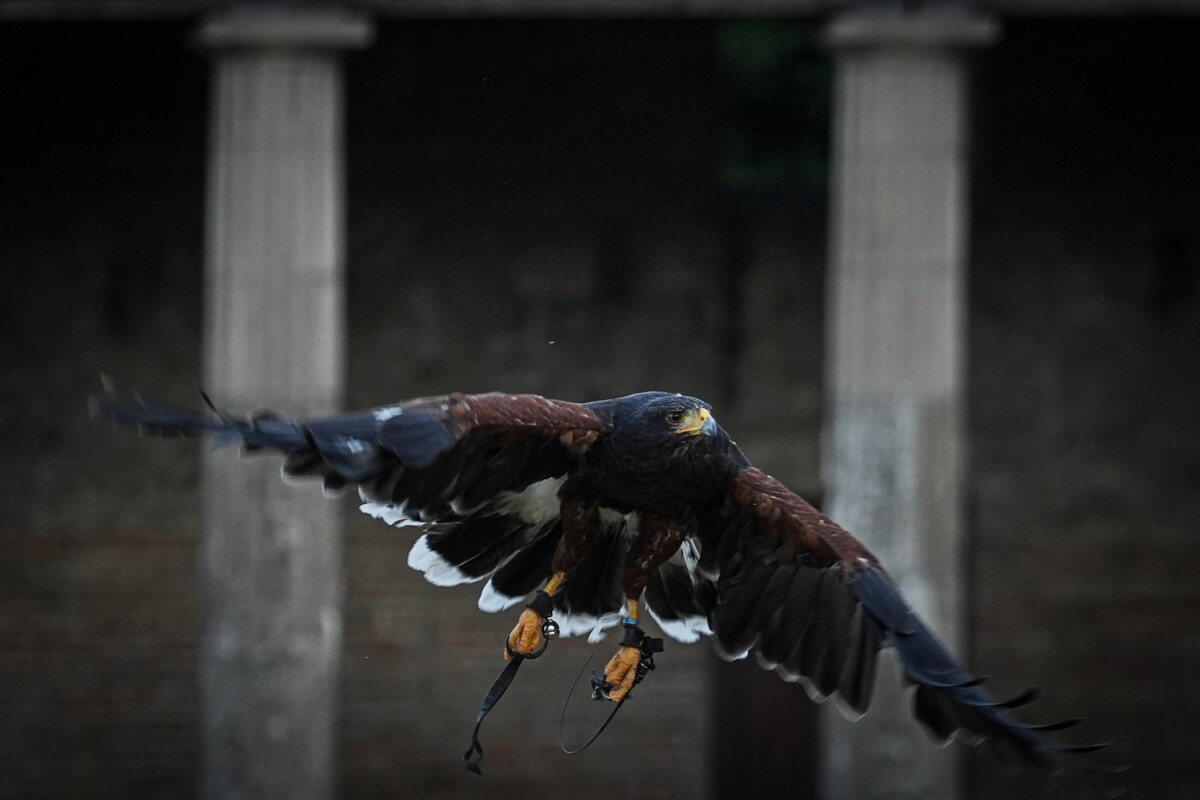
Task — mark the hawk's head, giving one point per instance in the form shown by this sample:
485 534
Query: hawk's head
652 425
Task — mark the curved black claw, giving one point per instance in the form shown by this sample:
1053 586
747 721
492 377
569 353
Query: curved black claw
601 687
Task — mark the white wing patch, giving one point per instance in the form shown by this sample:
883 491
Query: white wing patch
687 630
492 601
537 504
392 514
577 624
437 571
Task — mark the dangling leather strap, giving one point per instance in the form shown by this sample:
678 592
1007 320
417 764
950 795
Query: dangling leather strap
543 606
474 753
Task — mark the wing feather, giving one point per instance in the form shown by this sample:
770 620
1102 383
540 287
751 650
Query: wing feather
522 573
479 472
819 607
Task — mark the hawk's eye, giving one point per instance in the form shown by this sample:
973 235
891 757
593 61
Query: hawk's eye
674 417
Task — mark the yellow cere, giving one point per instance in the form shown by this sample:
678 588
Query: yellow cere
694 421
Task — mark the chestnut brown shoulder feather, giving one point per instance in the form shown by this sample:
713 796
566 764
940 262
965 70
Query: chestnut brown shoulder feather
790 522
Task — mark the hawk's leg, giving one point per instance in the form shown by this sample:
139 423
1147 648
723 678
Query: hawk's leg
621 670
580 523
657 539
527 637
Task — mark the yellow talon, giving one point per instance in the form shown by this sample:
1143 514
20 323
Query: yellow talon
526 637
621 671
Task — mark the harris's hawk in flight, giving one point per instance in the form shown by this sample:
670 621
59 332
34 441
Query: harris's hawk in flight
615 507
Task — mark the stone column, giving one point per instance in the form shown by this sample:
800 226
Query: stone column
274 331
894 450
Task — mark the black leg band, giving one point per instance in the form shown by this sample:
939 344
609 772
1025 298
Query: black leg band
633 636
636 637
542 605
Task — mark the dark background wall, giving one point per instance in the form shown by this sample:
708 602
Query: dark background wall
1085 415
568 208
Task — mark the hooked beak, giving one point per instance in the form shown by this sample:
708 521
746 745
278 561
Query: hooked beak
698 422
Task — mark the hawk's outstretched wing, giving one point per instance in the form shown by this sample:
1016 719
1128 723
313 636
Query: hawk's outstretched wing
770 572
479 473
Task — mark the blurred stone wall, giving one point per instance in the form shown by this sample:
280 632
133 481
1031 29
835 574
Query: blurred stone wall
1085 411
535 207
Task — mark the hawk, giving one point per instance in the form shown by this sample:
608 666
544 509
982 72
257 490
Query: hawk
614 508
